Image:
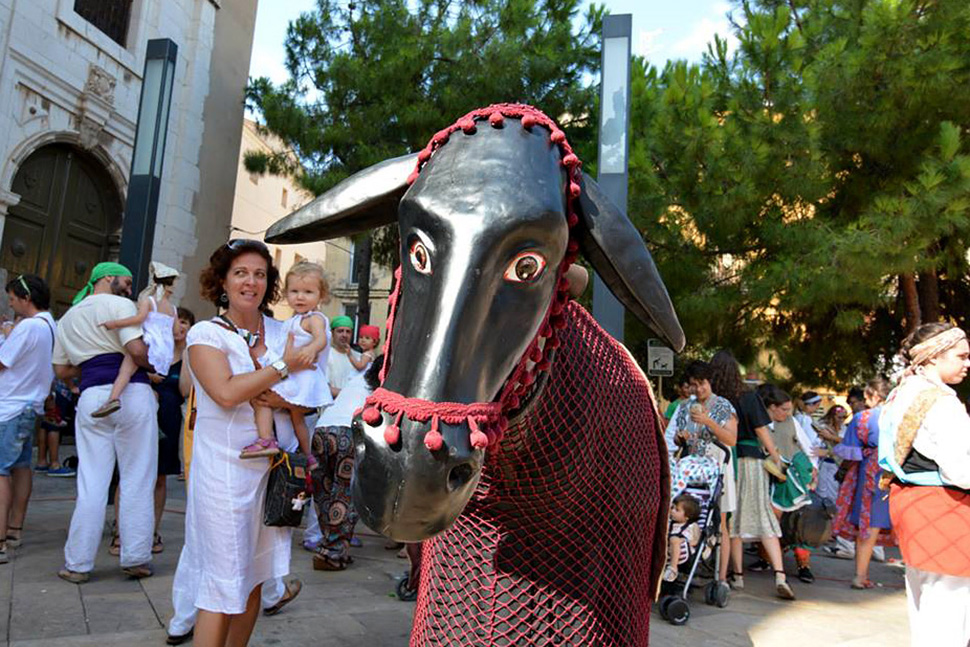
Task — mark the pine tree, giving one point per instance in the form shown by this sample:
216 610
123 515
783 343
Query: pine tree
810 193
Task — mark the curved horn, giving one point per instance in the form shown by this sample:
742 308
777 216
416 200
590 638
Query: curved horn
365 200
615 248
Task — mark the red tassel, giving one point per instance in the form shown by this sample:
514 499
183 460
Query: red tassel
572 246
372 416
574 190
528 121
477 438
558 322
545 330
496 119
544 365
392 434
536 353
514 402
433 439
572 220
558 137
467 126
424 155
412 177
570 160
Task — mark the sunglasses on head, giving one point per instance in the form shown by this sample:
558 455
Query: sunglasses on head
246 243
23 283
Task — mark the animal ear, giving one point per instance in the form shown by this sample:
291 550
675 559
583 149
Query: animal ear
618 254
365 200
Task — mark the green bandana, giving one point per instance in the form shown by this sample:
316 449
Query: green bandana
343 321
100 271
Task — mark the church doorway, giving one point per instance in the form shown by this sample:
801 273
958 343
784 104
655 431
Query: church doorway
67 221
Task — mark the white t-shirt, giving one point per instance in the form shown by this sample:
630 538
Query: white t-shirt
350 398
339 368
81 334
26 377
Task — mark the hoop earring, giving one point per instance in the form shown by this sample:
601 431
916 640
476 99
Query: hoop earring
223 299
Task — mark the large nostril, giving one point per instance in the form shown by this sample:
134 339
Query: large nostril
459 476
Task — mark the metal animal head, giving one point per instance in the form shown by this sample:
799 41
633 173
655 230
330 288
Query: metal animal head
491 214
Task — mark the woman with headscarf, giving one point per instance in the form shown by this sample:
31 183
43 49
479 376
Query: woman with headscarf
925 448
863 510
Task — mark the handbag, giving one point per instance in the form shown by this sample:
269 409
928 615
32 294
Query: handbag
288 490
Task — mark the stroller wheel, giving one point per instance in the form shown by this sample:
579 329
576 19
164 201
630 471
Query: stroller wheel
721 594
678 611
664 602
404 593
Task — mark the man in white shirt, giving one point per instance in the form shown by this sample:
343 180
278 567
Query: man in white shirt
339 368
25 381
85 347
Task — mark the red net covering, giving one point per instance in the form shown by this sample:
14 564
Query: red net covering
564 539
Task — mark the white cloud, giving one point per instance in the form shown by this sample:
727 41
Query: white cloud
648 42
694 44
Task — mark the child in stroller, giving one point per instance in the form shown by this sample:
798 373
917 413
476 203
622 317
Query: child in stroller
685 533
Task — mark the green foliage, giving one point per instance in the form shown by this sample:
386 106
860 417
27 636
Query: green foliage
784 188
375 79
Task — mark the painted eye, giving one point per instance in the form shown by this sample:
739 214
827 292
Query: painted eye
420 259
525 268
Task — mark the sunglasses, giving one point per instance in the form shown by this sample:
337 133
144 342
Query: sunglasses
23 283
246 243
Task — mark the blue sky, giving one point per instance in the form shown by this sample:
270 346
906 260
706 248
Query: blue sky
662 29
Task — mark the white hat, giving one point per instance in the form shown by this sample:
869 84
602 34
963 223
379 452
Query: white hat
162 271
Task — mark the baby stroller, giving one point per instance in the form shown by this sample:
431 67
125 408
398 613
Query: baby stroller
703 559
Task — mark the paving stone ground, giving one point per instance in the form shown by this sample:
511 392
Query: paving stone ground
357 607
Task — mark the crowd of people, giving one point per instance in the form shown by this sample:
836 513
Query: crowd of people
136 379
142 382
895 473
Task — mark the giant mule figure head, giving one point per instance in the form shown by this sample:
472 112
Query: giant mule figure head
491 214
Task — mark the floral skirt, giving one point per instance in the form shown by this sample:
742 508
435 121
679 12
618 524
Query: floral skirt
754 517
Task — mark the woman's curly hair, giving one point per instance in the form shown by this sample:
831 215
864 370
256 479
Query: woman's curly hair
214 274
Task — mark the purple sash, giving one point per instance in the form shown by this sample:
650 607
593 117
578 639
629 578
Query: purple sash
103 369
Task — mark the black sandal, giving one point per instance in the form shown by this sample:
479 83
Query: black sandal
14 542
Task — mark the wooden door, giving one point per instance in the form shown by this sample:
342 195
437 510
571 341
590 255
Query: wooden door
66 222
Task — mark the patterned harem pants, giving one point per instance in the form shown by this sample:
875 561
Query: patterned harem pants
333 448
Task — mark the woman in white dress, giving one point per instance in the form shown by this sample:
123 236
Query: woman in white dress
226 544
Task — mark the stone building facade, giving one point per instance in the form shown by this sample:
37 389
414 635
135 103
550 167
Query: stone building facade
261 200
70 80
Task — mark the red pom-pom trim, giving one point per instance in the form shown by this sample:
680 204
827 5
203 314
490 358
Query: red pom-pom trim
496 119
574 190
467 126
392 434
558 137
570 160
433 440
372 416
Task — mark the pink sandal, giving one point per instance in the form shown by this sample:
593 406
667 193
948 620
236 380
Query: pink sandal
262 447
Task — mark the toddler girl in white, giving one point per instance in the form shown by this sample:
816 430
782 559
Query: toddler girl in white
305 288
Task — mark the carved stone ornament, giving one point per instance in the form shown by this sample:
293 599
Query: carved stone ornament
90 132
101 84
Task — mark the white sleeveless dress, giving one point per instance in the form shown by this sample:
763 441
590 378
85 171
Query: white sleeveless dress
157 333
309 388
227 548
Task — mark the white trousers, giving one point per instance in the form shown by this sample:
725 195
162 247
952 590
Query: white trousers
939 609
129 435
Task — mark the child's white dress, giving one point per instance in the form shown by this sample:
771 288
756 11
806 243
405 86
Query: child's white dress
157 333
309 388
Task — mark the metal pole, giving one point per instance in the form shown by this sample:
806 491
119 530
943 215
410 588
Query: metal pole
613 147
145 179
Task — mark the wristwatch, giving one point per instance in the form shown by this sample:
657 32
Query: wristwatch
281 368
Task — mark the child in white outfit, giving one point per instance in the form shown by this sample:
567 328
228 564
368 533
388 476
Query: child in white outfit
156 315
306 287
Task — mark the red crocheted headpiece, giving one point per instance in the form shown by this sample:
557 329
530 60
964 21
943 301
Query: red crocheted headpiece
487 421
